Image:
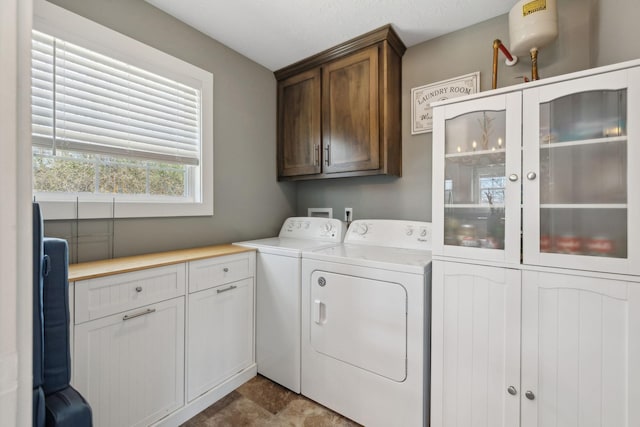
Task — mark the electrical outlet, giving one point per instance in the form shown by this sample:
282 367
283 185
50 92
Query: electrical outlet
348 214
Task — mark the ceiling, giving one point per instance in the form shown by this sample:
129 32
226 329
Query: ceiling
277 33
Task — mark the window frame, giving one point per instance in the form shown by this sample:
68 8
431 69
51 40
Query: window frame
59 22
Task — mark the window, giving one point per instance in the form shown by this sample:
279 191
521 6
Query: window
111 138
491 183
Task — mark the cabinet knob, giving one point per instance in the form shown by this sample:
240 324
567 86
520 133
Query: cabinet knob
513 177
512 390
529 395
226 269
138 288
531 176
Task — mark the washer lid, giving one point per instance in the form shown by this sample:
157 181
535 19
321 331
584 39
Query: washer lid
285 246
396 259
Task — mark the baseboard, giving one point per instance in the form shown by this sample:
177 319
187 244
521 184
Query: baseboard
202 402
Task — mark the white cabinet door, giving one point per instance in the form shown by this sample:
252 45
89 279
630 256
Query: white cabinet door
581 204
476 178
130 366
475 339
220 338
580 351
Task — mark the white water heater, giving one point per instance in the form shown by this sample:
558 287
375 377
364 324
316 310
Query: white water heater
532 25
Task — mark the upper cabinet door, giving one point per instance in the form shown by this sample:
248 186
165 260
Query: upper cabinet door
476 178
580 207
299 124
350 109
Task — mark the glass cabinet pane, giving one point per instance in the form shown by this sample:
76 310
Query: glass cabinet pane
475 180
583 174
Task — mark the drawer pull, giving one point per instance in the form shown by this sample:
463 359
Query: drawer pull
226 269
138 288
142 313
230 288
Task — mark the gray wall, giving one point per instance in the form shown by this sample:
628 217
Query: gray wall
249 202
454 54
617 26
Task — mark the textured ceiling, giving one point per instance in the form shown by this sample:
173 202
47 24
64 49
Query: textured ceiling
276 33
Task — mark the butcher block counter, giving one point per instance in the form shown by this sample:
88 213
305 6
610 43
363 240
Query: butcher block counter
107 267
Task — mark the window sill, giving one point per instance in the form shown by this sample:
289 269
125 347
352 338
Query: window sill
67 210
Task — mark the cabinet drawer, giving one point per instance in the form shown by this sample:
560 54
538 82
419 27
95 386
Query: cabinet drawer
103 296
207 273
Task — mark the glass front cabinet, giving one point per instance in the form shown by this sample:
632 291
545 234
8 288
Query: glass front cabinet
477 178
580 191
557 161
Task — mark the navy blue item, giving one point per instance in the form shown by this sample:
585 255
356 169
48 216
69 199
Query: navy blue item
67 408
57 363
38 330
55 402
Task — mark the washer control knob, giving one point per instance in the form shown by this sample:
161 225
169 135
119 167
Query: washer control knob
322 281
409 231
423 233
361 229
328 227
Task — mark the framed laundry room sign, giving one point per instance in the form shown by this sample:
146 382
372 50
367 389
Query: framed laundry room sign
423 96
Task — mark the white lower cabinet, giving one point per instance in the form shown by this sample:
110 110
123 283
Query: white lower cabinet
475 345
547 349
580 351
130 366
144 354
220 337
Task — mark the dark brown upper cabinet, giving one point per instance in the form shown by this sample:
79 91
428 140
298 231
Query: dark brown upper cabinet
339 111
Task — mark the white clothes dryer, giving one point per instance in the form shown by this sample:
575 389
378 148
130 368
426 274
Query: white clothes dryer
278 278
365 323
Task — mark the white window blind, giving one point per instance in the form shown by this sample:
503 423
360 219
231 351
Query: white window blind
85 101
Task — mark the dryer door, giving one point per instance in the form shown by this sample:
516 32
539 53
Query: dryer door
359 321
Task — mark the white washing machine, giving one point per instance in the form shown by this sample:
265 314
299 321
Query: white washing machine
278 278
365 323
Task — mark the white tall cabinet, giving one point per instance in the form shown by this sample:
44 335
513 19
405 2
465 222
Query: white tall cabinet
536 275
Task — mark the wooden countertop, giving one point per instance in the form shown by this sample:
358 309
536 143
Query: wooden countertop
90 270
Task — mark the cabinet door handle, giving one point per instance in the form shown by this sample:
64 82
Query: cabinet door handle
316 154
512 390
226 269
327 159
531 176
230 288
529 395
138 289
513 177
142 313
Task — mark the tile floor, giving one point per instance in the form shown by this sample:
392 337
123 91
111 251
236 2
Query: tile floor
261 402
